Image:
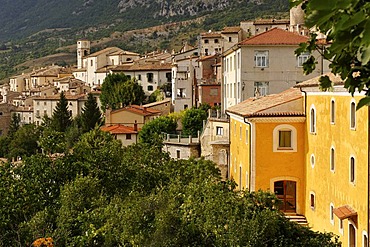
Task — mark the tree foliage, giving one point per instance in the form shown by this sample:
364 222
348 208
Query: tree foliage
192 121
346 25
152 131
91 115
62 117
118 89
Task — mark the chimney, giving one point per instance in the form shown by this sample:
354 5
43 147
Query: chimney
135 126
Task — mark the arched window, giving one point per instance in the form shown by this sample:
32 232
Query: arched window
313 120
332 213
353 115
285 138
332 159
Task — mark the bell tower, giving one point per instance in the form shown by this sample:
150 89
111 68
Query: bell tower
296 19
83 49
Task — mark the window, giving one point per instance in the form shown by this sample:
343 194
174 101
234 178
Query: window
352 170
186 107
91 62
332 111
246 136
240 132
128 136
213 92
206 41
45 113
261 59
365 240
219 130
149 77
168 76
230 39
150 88
178 154
312 200
261 89
353 115
216 41
332 159
285 138
313 120
312 160
44 103
206 51
301 59
332 213
139 77
181 93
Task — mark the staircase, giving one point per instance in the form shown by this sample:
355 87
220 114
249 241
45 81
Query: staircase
299 219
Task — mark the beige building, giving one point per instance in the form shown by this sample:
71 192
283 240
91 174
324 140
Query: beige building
45 105
131 116
127 135
164 106
265 64
182 148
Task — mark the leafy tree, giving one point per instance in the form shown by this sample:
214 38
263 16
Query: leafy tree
192 122
14 124
118 89
24 142
151 132
91 115
157 95
62 117
347 26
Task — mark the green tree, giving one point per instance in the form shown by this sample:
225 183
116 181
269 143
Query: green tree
24 142
347 26
118 89
14 124
62 117
192 122
91 115
151 132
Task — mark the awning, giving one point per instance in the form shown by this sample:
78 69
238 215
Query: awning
346 212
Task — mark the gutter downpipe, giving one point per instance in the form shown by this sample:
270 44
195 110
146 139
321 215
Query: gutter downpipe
250 152
368 175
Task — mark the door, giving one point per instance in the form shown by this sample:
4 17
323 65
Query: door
285 190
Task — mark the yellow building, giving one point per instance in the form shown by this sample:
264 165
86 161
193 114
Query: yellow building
267 146
312 149
336 157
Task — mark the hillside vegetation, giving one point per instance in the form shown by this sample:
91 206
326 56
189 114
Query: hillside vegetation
39 28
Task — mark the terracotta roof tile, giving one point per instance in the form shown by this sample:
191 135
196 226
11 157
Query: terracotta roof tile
231 29
269 105
139 110
275 36
344 212
314 82
119 129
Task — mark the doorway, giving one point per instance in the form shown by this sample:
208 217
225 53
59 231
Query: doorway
285 190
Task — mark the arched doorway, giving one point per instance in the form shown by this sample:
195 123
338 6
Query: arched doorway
286 191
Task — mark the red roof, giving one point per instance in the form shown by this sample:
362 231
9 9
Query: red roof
275 36
119 129
139 110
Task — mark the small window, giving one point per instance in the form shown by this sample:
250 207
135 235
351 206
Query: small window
150 88
261 89
216 41
313 120
44 102
206 52
332 159
219 130
332 112
365 240
230 39
261 59
186 107
353 115
352 170
128 136
301 59
91 62
206 41
178 156
149 77
246 136
285 139
332 213
312 200
312 160
139 77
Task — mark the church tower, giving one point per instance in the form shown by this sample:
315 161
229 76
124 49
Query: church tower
296 19
83 49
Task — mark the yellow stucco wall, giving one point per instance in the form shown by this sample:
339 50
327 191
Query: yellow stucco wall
273 166
334 187
239 152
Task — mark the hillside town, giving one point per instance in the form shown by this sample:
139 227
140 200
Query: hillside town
270 127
